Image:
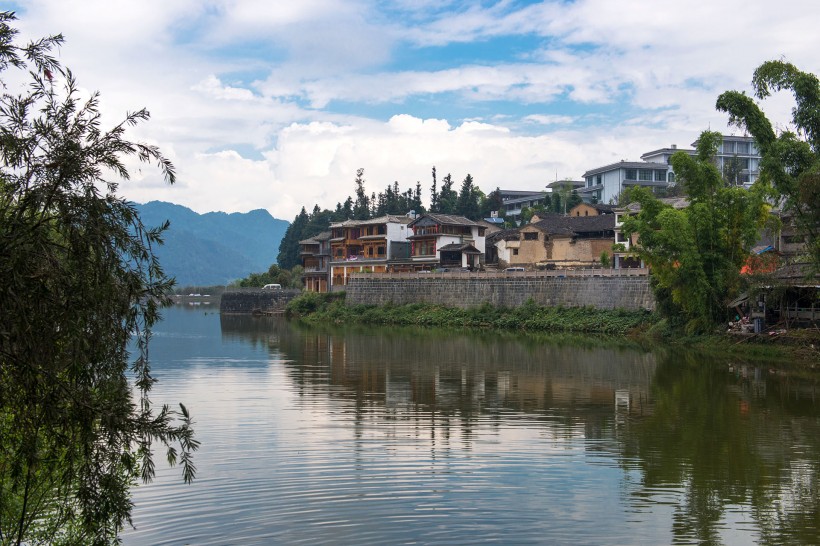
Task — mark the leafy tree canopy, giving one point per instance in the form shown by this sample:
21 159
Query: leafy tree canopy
791 160
696 253
80 283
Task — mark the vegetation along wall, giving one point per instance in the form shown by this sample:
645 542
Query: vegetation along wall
631 293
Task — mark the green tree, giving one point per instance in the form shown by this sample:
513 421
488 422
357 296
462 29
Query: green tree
448 197
467 202
288 256
565 192
80 283
790 161
491 202
434 193
361 207
288 278
696 253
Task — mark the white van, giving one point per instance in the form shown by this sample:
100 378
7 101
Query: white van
272 287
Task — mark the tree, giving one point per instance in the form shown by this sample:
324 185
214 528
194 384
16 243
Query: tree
447 197
696 253
361 207
80 282
433 194
565 192
467 202
490 203
288 256
791 161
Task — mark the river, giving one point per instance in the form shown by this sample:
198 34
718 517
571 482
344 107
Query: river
398 436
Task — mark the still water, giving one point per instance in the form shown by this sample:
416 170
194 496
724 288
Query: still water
397 436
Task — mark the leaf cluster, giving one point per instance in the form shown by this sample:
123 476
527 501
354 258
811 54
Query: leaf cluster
790 160
80 285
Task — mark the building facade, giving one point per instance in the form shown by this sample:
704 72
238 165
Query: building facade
367 246
315 255
737 158
445 240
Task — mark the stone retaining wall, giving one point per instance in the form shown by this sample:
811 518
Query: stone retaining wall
630 293
248 301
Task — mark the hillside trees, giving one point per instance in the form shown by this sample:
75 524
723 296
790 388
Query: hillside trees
696 253
790 161
80 282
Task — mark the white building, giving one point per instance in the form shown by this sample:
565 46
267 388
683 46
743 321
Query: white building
737 157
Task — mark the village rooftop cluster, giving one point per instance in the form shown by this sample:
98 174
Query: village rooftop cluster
586 236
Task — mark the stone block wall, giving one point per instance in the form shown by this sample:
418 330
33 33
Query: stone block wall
248 301
631 293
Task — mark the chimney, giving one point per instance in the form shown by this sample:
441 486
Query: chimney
674 146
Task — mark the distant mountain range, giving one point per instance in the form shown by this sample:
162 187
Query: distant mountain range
214 248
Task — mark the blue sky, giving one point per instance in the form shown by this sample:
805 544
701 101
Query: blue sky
275 104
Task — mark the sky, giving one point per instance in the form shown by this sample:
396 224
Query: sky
275 104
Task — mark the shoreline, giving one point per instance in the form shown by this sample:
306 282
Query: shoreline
799 349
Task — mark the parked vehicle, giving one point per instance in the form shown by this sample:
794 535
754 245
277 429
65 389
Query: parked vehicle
513 269
272 287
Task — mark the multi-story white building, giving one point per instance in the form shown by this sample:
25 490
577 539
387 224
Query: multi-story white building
605 184
737 157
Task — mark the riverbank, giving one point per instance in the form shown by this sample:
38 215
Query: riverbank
798 350
331 308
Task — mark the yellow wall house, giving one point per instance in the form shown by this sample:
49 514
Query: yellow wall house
557 241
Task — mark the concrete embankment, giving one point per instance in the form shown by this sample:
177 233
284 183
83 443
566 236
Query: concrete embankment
249 301
461 290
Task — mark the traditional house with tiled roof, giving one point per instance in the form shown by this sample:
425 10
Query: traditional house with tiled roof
445 240
315 255
557 241
367 246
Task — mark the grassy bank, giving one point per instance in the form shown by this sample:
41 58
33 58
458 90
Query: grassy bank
643 328
330 308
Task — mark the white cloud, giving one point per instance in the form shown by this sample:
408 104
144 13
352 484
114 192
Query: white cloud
245 94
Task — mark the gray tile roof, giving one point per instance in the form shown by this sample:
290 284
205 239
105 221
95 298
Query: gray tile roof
573 225
446 219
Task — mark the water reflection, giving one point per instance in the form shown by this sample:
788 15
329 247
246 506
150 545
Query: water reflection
361 435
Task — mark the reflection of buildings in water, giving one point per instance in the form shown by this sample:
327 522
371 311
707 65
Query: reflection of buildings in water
467 374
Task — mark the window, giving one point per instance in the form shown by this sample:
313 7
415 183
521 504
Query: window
599 179
424 248
530 235
743 147
660 176
515 252
380 251
590 182
644 174
630 174
728 147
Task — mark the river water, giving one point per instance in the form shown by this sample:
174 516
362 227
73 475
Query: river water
409 436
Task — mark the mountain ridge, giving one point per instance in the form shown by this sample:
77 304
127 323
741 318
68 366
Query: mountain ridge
216 247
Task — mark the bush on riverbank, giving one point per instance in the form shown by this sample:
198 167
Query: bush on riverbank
330 308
